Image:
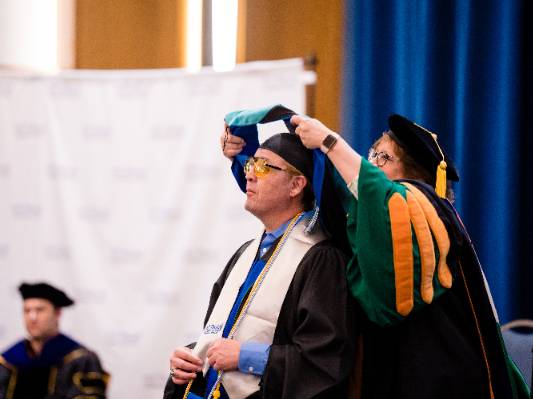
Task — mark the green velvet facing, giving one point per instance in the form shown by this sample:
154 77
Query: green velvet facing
371 269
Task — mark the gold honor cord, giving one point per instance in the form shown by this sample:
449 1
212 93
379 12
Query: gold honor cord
215 391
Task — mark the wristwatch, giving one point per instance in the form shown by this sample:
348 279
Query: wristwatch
329 142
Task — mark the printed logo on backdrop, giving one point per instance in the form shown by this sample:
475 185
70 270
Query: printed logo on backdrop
6 87
123 338
279 82
167 133
129 173
95 214
160 297
164 215
30 131
237 212
5 170
63 172
195 171
207 86
65 89
14 293
125 256
57 253
199 256
132 90
154 382
14 298
89 295
96 132
26 211
4 250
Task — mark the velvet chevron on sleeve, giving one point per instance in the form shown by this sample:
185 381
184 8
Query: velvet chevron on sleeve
431 331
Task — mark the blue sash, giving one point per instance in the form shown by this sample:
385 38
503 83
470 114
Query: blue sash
253 274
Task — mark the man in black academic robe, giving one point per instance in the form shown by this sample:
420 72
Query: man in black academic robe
49 365
311 352
313 320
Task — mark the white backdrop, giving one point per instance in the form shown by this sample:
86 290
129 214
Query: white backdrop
114 188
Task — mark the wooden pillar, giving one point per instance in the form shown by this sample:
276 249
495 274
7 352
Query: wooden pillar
276 29
116 34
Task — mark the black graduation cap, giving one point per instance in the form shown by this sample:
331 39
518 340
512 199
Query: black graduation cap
289 147
45 291
422 145
312 163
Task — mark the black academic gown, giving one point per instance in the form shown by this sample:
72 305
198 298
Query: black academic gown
63 370
450 349
313 345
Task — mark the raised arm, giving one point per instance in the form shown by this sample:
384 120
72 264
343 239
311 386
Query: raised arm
231 145
398 241
312 132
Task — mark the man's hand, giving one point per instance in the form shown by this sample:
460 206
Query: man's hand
312 132
184 365
223 354
231 145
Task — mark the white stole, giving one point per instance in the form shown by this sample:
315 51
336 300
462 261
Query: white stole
259 322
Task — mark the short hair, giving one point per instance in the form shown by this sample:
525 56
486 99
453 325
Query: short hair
410 167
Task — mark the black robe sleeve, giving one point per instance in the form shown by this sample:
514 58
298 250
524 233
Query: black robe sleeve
314 343
82 377
5 376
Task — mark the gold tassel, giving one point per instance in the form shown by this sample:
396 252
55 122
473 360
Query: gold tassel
216 392
440 186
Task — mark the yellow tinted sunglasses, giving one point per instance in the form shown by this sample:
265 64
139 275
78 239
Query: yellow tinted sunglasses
261 167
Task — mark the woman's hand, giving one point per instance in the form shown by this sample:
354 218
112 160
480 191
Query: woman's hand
231 145
312 132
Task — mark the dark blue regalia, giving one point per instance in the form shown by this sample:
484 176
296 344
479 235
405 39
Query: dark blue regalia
64 369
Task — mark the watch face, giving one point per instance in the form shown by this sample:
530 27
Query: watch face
329 141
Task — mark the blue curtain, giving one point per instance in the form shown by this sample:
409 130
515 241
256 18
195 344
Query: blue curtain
464 70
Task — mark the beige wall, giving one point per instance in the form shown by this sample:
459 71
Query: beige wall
129 33
150 34
299 28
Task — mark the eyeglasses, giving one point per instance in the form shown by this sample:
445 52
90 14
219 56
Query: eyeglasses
380 158
261 168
